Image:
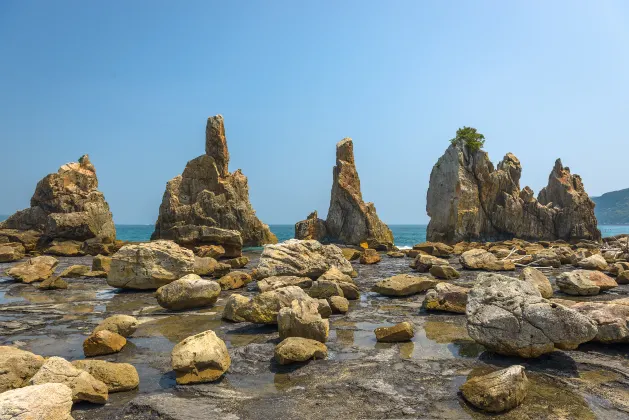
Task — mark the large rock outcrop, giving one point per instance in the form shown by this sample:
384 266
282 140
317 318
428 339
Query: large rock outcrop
207 204
65 208
350 220
470 200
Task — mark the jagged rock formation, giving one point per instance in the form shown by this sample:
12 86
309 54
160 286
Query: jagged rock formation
207 204
350 220
470 200
66 207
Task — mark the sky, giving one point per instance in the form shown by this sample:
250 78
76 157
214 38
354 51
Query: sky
132 84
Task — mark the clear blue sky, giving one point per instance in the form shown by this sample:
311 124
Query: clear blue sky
132 83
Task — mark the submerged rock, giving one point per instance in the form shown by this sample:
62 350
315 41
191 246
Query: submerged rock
498 391
299 349
311 228
509 316
470 200
17 367
200 358
301 259
403 331
149 265
350 220
47 401
67 206
209 205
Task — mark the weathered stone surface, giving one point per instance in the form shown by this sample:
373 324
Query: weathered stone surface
237 263
325 309
149 265
12 251
338 305
350 290
623 278
509 316
594 262
208 205
611 320
323 289
277 282
212 251
404 285
302 319
584 282
235 303
498 391
537 279
468 199
264 308
52 283
75 271
479 259
301 258
45 402
299 349
444 272
103 342
124 325
234 280
67 205
188 292
351 254
33 269
118 377
446 297
209 267
311 228
423 262
436 249
27 238
200 358
400 332
395 254
83 385
17 367
546 258
336 275
101 263
65 248
350 220
370 256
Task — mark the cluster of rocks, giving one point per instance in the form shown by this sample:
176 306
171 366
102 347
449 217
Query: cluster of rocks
350 220
470 200
68 216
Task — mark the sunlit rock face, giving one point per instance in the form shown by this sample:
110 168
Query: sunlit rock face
470 200
207 204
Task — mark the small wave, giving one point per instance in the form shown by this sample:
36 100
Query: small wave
404 247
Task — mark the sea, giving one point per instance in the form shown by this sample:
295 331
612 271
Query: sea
405 236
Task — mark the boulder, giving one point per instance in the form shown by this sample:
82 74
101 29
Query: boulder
64 248
400 332
593 262
623 278
498 391
188 292
17 367
370 256
509 316
469 199
350 220
423 263
299 349
537 279
277 282
302 319
611 320
338 305
65 207
351 254
350 290
403 285
336 275
323 289
479 259
83 385
311 228
395 254
301 259
325 309
546 258
12 251
103 342
46 402
436 249
200 358
566 255
75 271
52 283
118 377
209 267
264 308
149 265
445 272
212 251
235 303
124 325
101 263
446 297
33 269
208 205
234 280
584 282
237 263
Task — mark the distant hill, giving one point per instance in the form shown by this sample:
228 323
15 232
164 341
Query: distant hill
612 208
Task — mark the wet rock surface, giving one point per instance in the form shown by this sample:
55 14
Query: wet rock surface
415 379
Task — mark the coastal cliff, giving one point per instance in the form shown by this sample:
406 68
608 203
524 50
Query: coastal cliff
470 200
